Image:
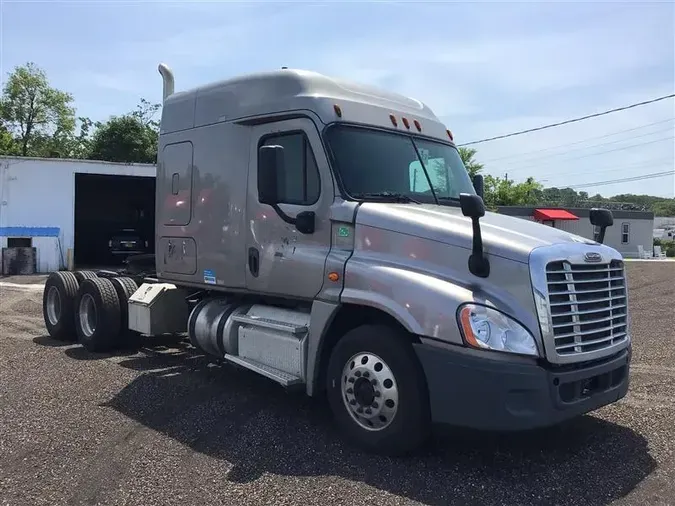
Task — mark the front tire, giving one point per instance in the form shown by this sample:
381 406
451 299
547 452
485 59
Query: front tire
97 315
377 390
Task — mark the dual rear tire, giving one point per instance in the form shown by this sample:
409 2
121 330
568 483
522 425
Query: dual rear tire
81 306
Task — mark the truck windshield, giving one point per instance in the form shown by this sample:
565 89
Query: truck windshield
380 164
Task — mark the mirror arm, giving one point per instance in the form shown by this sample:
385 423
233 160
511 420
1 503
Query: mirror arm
478 263
600 235
288 219
301 226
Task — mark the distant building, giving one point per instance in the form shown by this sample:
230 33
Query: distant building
630 230
664 227
66 211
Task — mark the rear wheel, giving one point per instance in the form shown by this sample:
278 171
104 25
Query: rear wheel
84 275
377 390
58 302
125 288
98 316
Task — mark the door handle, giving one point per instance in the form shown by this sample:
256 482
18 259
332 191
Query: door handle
253 261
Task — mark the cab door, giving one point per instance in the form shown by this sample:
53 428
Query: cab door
282 260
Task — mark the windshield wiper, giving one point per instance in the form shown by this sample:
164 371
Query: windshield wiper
390 196
448 201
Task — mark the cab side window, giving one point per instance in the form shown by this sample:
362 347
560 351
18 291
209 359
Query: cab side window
299 184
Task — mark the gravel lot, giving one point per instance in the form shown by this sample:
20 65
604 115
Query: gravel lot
162 426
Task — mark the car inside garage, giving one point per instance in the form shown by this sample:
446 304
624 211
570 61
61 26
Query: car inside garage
114 218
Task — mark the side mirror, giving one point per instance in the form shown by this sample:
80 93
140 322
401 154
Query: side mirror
472 205
601 218
270 172
478 185
474 208
270 166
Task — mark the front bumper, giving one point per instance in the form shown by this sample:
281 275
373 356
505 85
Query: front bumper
483 391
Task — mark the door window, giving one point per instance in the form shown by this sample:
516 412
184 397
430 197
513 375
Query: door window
299 184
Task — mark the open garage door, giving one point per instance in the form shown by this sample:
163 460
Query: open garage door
114 217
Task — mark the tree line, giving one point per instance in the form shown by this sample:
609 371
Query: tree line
38 120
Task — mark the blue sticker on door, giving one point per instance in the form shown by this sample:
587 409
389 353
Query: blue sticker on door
209 277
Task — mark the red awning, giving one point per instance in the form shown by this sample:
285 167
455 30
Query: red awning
553 214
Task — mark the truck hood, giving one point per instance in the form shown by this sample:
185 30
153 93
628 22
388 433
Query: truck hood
504 236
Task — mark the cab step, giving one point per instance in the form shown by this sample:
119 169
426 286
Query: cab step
272 373
267 323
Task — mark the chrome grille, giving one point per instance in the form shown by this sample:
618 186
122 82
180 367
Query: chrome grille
588 305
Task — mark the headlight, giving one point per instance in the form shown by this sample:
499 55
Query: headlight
486 328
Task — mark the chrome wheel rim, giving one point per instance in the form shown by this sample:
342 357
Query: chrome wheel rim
87 314
369 391
53 305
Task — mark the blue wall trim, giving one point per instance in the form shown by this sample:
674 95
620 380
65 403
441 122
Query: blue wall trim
29 231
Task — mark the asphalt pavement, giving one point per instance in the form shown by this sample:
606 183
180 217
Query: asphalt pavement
161 425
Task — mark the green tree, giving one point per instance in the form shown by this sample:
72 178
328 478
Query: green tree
124 139
40 118
8 145
146 113
472 166
506 192
664 208
130 138
81 144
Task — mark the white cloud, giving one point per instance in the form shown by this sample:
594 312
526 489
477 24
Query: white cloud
485 68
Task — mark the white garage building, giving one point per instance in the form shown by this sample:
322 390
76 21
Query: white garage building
39 199
630 230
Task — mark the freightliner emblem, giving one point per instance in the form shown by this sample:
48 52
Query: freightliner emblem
592 256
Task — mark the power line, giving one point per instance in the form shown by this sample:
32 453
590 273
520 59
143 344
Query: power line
598 153
652 163
624 180
574 120
518 155
546 157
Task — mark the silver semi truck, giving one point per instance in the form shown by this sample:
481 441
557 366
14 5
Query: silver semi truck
327 235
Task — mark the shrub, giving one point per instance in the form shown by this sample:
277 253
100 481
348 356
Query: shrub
668 247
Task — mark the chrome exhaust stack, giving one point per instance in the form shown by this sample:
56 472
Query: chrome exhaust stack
167 79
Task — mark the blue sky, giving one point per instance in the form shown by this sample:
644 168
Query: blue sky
485 68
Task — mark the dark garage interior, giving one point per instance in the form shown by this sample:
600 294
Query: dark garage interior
112 213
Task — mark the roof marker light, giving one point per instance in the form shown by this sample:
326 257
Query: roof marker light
405 122
337 110
418 126
393 120
450 135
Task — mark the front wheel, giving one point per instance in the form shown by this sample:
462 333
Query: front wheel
377 390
